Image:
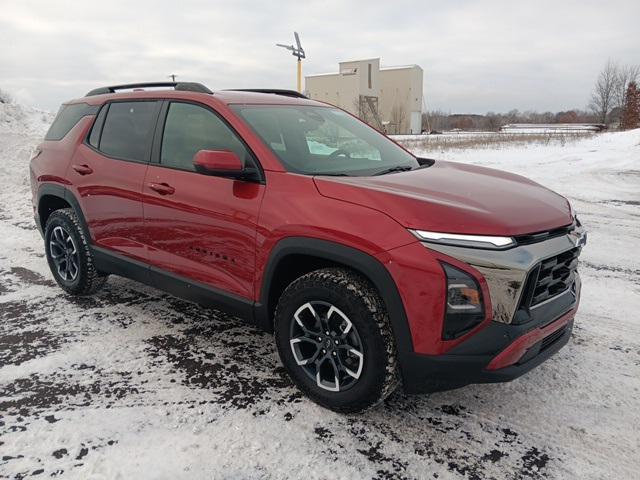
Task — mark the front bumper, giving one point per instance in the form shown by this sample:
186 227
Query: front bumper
521 334
526 350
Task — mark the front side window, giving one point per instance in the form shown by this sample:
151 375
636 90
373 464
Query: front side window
324 141
127 130
190 128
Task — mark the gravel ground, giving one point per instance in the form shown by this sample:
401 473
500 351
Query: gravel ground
133 383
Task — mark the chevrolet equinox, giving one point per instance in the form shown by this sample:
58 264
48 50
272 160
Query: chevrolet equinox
372 267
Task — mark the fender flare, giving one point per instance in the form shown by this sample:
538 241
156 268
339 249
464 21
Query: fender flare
358 260
55 190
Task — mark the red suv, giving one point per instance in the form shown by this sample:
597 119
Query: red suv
372 267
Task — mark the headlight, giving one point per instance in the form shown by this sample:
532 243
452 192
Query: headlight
464 303
473 241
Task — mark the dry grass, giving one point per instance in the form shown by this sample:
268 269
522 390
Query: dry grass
488 140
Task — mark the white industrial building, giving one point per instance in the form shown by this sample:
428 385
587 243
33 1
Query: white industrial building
389 98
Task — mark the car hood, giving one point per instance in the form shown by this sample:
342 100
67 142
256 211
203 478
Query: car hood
455 198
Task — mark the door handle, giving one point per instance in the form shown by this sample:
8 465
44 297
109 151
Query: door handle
162 188
82 169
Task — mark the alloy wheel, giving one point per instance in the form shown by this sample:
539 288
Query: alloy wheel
326 345
64 254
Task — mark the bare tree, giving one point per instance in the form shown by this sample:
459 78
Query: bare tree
398 116
494 121
366 109
363 113
439 120
425 122
627 74
602 98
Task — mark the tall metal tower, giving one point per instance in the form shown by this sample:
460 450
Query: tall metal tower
297 52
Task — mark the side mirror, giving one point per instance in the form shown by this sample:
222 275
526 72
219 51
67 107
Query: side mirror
221 163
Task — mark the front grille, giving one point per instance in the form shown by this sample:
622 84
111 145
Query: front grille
555 275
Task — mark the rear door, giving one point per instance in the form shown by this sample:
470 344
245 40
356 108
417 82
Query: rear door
200 227
108 172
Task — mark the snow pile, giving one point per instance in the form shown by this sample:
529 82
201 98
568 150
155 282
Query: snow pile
16 118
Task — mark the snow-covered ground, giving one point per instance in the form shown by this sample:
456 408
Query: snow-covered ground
133 383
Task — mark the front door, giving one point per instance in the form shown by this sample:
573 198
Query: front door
201 227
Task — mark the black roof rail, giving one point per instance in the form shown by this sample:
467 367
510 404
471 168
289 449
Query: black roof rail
182 86
275 91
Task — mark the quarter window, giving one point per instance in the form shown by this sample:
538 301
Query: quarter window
67 118
127 130
190 128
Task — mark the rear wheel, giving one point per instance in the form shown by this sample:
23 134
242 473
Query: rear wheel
69 256
334 338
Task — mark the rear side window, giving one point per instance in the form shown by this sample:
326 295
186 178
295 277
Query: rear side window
66 119
189 129
127 130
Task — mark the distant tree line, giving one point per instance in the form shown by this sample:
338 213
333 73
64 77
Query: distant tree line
615 101
442 121
609 97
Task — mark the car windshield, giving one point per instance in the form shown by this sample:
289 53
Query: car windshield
316 140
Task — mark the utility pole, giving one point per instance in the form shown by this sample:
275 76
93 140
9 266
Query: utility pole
297 52
173 77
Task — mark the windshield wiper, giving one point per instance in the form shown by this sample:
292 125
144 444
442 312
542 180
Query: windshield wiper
394 169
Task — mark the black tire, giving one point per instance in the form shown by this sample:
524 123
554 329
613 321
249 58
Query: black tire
354 296
87 280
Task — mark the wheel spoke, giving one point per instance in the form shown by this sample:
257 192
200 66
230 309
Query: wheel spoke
55 255
335 387
62 269
73 267
345 325
356 373
57 235
297 354
73 246
305 329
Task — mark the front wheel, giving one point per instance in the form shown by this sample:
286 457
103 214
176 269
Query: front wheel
334 339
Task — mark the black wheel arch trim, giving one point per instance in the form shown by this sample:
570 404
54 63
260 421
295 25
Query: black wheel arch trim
352 258
57 190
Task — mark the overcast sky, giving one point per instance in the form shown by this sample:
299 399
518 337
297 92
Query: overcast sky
477 56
